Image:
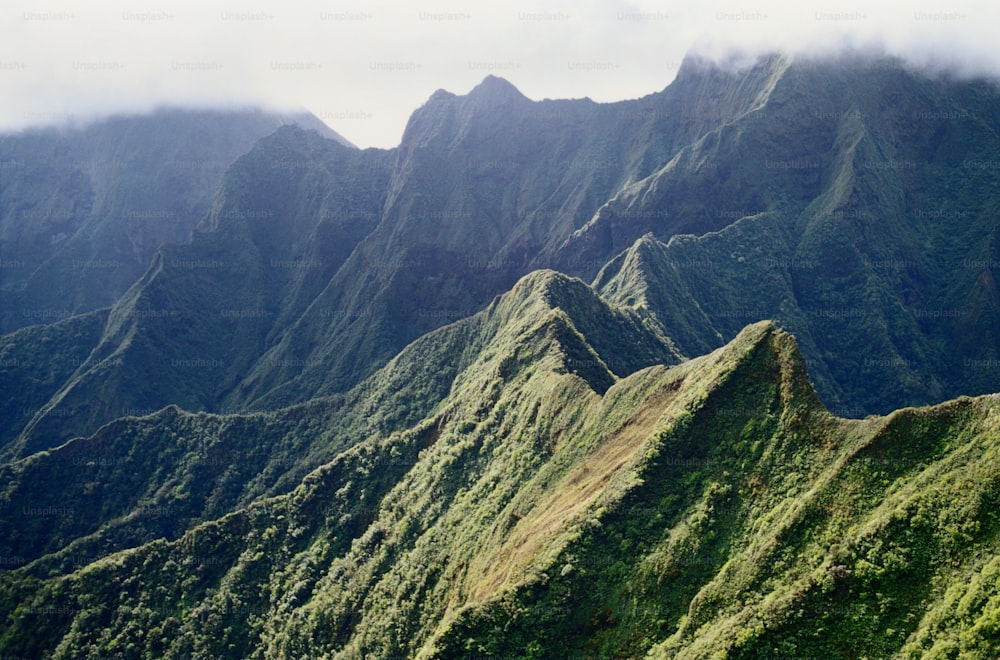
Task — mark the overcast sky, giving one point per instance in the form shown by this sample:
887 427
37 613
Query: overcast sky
363 67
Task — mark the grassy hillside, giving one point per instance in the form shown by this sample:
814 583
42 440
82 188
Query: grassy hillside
146 476
36 361
789 191
390 435
541 508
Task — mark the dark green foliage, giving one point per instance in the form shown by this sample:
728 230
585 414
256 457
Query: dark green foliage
547 475
204 314
714 506
35 362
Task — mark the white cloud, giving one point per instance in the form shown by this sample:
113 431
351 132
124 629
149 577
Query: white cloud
363 67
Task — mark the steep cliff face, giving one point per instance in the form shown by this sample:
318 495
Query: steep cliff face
821 194
83 210
192 326
480 187
328 262
855 206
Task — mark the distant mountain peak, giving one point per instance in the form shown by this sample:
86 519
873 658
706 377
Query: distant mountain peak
308 121
441 95
487 102
495 88
696 65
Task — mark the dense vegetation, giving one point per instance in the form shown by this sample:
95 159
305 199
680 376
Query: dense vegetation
866 227
710 507
349 412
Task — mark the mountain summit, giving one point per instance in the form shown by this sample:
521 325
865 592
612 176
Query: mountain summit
494 89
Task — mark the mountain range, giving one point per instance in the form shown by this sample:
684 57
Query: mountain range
681 376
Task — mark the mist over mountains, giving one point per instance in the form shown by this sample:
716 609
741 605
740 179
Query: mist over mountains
84 209
274 395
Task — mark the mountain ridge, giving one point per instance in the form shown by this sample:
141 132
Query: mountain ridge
543 304
752 395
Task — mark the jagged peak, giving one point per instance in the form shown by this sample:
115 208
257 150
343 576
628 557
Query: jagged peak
440 95
539 280
757 332
762 335
495 88
640 249
539 287
550 286
781 355
429 122
645 243
696 64
491 90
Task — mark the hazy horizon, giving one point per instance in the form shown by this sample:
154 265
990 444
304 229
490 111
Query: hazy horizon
362 68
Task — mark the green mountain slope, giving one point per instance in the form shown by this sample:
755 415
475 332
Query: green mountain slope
140 478
317 264
430 448
36 361
482 185
541 509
